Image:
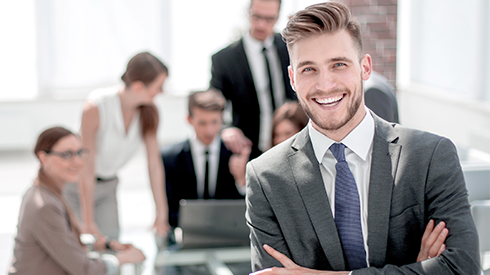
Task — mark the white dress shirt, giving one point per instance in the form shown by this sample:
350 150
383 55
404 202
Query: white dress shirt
253 50
198 150
358 155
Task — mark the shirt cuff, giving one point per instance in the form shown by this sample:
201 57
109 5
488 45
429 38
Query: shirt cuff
242 189
111 264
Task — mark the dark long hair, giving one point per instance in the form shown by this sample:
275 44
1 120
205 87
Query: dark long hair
145 67
45 143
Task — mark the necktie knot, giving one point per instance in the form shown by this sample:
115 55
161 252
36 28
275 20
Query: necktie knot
338 151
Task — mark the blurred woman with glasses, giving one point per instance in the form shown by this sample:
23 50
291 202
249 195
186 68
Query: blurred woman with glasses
116 122
48 236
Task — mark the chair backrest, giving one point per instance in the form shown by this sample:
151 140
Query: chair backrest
477 183
481 214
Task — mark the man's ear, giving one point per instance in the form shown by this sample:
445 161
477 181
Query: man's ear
291 77
189 119
367 67
137 86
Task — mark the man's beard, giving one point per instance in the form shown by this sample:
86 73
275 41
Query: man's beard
330 125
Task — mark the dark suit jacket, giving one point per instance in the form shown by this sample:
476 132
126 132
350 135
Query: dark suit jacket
379 96
181 182
415 177
232 76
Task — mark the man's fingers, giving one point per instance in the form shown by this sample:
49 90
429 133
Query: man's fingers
441 249
434 235
435 249
428 230
285 261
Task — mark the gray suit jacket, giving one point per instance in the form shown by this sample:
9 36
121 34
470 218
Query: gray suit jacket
415 177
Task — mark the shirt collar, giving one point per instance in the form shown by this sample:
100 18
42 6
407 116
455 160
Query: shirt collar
197 145
257 45
358 140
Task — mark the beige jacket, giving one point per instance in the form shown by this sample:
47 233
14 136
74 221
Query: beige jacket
45 243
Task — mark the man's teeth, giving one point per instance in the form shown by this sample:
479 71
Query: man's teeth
329 100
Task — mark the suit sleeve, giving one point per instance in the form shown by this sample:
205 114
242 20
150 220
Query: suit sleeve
218 77
446 200
54 235
171 186
264 228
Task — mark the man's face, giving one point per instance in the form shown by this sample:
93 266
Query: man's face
207 124
263 15
327 76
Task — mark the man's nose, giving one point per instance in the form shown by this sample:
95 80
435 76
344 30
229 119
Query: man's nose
326 81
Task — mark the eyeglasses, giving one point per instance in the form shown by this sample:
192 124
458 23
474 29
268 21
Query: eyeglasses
258 17
68 155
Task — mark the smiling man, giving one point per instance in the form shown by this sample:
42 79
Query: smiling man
352 193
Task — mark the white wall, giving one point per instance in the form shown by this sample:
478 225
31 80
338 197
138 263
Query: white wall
443 72
22 122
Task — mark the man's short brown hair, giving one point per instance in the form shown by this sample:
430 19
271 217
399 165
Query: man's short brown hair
210 100
322 18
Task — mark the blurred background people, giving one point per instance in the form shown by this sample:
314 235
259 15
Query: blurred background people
115 122
252 74
197 168
288 120
379 96
48 236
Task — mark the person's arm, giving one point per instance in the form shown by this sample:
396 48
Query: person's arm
86 186
264 228
235 140
53 233
432 246
237 165
157 182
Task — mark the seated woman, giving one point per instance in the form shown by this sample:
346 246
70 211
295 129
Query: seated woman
287 121
48 236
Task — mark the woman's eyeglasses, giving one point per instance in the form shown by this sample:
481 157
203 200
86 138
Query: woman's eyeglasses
68 155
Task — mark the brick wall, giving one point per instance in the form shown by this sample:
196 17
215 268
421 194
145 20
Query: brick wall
378 20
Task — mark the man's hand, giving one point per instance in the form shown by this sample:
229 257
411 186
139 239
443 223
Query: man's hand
433 241
237 165
290 268
235 140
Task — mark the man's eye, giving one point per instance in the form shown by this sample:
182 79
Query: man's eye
308 70
339 64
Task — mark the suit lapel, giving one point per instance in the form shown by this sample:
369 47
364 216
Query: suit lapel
192 182
384 164
244 68
310 186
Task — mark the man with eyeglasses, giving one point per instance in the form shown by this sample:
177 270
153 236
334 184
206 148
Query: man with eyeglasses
252 75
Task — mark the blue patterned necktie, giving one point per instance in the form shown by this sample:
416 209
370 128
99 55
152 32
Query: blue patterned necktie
348 211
